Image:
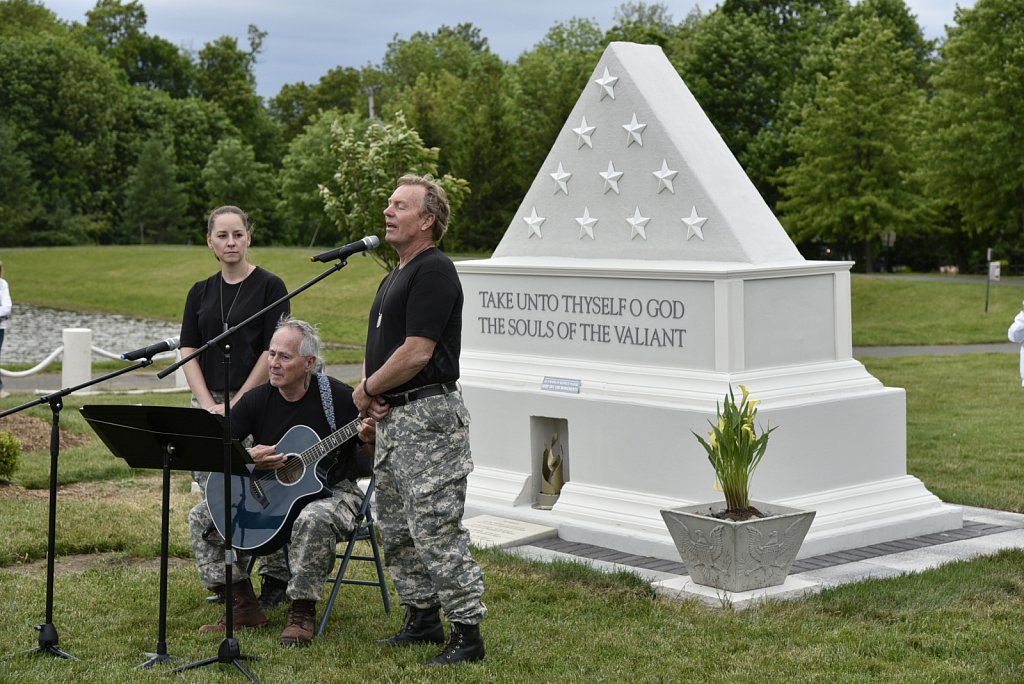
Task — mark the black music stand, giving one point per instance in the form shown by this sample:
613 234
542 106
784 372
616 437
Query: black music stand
166 438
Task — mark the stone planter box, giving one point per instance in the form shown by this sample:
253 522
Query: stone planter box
737 556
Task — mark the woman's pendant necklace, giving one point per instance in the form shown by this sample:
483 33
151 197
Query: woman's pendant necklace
238 293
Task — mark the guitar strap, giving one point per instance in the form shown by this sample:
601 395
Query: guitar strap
327 399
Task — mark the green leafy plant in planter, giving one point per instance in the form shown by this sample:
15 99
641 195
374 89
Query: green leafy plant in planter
735 450
737 544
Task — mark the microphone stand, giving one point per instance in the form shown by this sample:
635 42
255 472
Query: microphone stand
48 638
230 652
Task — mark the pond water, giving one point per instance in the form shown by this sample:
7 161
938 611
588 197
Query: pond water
34 331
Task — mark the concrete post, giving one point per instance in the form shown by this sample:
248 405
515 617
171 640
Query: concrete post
77 359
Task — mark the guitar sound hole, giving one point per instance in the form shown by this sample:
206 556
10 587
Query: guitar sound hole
291 472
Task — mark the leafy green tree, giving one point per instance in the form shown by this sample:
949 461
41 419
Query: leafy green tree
639 22
155 202
975 165
67 103
451 49
297 104
27 18
459 108
745 57
19 200
225 75
308 165
852 182
233 176
117 30
192 127
368 165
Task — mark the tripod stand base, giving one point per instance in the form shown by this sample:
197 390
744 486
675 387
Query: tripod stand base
155 659
229 653
48 642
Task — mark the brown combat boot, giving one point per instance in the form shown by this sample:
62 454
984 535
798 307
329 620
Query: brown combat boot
245 610
301 622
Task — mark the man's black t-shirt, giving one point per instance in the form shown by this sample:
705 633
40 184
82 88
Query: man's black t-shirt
263 413
422 299
203 320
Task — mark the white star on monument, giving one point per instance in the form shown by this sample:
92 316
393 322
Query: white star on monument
534 221
586 224
584 132
638 223
561 178
611 178
693 224
607 83
665 176
633 131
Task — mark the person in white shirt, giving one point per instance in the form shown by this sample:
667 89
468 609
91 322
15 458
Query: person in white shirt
1016 334
5 314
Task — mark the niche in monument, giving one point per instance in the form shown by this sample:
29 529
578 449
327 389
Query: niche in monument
550 437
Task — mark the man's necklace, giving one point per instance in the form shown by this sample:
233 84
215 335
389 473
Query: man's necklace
384 296
238 292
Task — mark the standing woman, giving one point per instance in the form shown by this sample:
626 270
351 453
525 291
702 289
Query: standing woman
5 313
227 298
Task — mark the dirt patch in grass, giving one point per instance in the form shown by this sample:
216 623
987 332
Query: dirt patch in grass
34 433
93 561
92 491
144 489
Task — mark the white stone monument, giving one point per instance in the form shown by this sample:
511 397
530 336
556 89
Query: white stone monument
643 275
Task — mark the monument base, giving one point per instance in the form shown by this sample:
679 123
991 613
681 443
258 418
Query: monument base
839 452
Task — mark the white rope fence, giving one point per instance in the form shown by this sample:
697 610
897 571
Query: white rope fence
77 353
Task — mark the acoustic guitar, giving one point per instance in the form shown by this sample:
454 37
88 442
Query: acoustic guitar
265 503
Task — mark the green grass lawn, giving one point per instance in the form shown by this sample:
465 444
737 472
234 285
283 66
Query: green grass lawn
555 622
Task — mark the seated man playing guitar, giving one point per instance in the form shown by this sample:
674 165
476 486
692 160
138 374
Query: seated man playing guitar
302 491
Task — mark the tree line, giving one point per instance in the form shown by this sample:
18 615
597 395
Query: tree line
869 141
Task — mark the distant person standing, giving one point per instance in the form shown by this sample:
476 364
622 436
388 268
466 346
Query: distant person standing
5 313
422 459
233 294
1016 334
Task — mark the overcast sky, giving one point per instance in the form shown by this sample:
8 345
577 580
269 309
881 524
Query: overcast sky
306 38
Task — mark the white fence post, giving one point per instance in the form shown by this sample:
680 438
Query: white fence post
76 365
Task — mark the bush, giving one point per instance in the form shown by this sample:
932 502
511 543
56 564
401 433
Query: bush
10 453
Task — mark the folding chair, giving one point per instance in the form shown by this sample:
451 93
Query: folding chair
365 530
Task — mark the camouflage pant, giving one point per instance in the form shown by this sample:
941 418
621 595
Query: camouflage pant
421 463
272 565
310 554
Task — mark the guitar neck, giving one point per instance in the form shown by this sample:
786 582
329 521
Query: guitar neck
331 442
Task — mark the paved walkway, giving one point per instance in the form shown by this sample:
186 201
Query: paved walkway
984 532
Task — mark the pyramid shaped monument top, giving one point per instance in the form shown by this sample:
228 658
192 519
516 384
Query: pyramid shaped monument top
639 172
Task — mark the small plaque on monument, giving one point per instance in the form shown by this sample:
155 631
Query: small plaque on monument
567 385
490 530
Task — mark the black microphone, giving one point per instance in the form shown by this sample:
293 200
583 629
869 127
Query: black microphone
151 350
368 242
